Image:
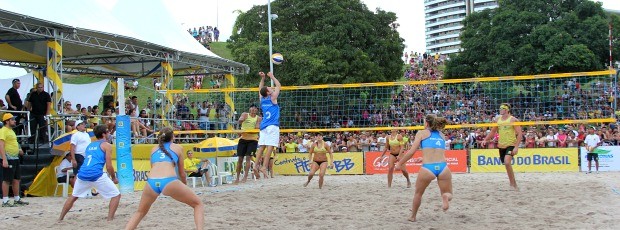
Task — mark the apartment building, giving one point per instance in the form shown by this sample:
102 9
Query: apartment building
443 22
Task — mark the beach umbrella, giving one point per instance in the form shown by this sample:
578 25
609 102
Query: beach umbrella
216 144
62 144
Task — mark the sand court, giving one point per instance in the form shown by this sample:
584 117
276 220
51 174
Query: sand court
481 201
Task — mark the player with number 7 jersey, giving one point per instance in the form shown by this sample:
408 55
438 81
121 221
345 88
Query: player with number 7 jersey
97 154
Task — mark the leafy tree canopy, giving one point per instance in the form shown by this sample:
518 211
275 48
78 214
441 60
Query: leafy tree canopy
523 37
323 41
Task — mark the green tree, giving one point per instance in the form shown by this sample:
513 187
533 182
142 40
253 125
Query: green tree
323 41
524 37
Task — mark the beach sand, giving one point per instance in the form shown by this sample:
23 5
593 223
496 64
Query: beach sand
481 201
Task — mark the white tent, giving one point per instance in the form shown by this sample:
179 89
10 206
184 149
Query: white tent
130 39
140 19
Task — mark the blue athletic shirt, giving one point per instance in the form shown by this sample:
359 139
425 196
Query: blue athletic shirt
433 141
160 156
271 113
94 160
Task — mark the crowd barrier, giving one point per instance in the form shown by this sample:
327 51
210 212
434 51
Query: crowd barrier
527 160
375 164
607 158
349 163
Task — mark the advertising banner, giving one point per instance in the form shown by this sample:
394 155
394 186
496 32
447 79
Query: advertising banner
607 158
527 160
298 164
140 171
456 159
227 164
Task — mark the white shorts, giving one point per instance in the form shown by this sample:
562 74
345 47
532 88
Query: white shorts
104 185
269 136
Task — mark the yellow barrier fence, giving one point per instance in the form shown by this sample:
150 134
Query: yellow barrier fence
527 160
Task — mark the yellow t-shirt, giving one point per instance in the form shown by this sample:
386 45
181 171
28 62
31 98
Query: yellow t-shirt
507 135
212 115
191 165
95 120
290 147
248 124
11 147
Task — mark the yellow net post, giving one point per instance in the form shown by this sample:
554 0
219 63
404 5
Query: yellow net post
228 99
114 89
167 74
54 67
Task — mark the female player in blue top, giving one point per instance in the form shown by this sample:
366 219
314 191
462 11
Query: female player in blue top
91 174
269 136
433 145
166 164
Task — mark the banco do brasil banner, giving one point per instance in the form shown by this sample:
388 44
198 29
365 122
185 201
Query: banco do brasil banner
527 160
140 170
299 164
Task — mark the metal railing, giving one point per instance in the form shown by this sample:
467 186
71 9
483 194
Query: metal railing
23 122
188 130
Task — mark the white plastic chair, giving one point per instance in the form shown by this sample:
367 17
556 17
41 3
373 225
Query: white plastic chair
250 172
193 179
218 176
65 186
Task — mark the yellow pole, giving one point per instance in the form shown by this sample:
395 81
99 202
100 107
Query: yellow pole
228 98
167 73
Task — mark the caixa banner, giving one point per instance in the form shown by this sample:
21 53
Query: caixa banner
607 158
527 160
350 163
375 164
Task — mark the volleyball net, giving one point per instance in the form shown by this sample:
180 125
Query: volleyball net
565 98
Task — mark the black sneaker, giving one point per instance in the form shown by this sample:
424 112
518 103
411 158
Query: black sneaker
7 204
20 203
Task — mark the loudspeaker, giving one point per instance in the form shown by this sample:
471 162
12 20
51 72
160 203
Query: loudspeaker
106 100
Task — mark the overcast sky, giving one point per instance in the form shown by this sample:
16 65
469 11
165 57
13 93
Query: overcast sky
194 13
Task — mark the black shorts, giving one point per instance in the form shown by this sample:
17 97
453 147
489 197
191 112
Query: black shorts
80 160
504 152
592 156
246 148
62 179
12 173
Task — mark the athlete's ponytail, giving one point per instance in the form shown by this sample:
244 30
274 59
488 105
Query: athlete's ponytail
165 135
435 122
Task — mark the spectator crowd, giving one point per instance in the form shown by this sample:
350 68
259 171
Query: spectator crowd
205 35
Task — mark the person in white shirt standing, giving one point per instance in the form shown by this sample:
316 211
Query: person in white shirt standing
591 142
381 140
79 141
305 144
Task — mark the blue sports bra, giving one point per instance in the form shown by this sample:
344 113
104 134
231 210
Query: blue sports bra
160 156
433 141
